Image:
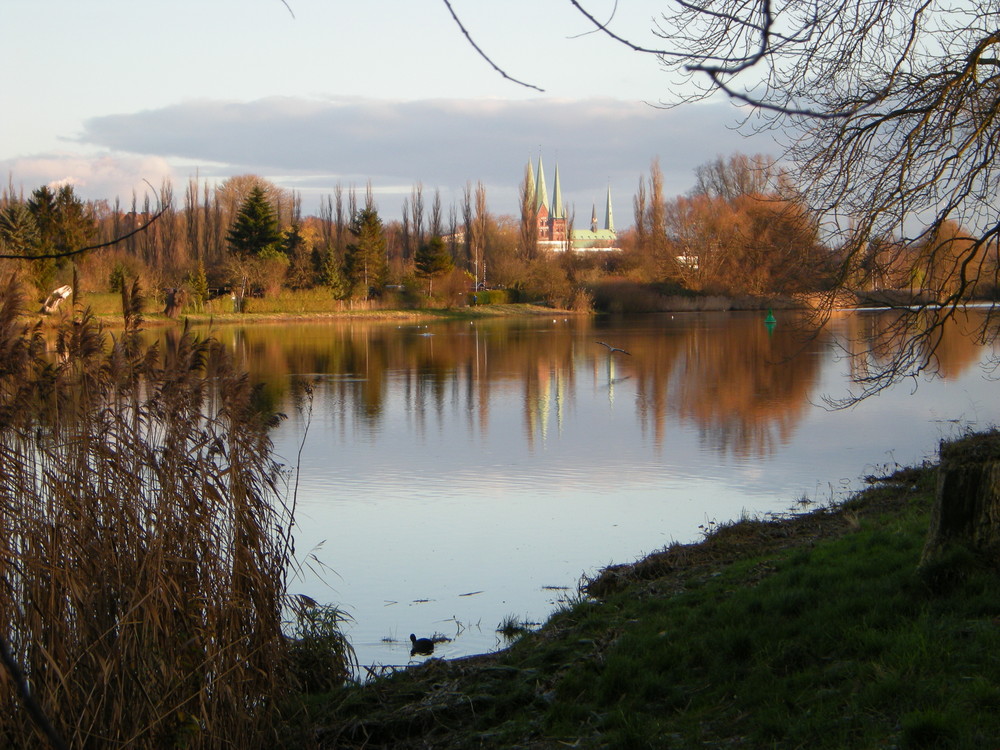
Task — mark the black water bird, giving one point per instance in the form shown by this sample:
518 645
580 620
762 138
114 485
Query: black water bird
421 646
613 349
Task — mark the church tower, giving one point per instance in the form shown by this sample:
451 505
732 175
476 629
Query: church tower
551 221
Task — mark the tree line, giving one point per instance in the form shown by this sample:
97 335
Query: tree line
742 230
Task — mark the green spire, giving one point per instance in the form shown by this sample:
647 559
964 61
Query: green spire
609 219
557 202
541 196
530 175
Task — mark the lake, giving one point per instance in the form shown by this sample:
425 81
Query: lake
455 474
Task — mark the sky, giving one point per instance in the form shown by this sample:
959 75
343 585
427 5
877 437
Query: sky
113 95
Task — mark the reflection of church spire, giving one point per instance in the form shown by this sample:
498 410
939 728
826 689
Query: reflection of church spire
560 397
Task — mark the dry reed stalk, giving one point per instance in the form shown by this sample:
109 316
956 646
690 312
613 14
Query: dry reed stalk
144 540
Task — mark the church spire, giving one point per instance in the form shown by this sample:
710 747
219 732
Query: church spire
557 201
529 179
593 218
609 219
541 195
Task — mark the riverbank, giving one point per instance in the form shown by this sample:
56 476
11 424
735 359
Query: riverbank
812 631
107 309
292 307
394 316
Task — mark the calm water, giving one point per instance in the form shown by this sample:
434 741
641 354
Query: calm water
455 474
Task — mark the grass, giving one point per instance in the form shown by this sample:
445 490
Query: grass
289 305
513 627
816 631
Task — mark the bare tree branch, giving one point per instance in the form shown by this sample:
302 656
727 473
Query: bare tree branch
482 54
69 253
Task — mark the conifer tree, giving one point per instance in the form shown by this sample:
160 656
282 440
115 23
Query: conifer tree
432 260
365 264
255 228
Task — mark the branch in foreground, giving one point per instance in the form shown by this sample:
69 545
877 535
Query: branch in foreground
68 253
486 57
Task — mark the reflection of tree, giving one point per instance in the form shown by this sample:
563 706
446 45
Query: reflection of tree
744 387
875 339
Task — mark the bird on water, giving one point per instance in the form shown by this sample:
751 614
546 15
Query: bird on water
613 349
421 645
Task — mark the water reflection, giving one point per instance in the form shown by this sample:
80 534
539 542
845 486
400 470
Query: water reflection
878 343
508 457
743 387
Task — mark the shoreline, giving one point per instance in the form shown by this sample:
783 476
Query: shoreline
783 632
158 320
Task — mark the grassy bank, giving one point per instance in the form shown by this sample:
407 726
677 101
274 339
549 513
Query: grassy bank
291 306
815 631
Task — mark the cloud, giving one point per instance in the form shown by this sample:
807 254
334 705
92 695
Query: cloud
313 144
97 176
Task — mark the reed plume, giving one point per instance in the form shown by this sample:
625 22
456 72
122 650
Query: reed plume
144 539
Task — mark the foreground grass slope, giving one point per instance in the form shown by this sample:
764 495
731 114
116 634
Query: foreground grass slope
813 632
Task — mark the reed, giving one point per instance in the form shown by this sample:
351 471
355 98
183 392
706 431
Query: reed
144 540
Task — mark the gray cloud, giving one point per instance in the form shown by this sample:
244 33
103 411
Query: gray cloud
313 144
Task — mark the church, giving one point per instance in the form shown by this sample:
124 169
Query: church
552 221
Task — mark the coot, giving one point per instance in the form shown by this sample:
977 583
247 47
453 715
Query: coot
421 645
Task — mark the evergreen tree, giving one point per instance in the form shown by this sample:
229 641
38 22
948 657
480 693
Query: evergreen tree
365 264
255 228
18 229
197 283
432 260
42 205
332 277
301 272
64 222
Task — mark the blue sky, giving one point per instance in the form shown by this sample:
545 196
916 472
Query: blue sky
108 93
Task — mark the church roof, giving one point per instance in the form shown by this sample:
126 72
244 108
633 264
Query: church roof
538 191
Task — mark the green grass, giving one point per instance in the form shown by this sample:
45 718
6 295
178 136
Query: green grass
834 641
836 648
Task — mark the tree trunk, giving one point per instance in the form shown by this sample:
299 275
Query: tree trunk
966 511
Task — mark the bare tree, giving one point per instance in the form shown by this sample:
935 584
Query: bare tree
738 175
434 226
641 229
891 111
480 226
467 217
405 234
418 213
